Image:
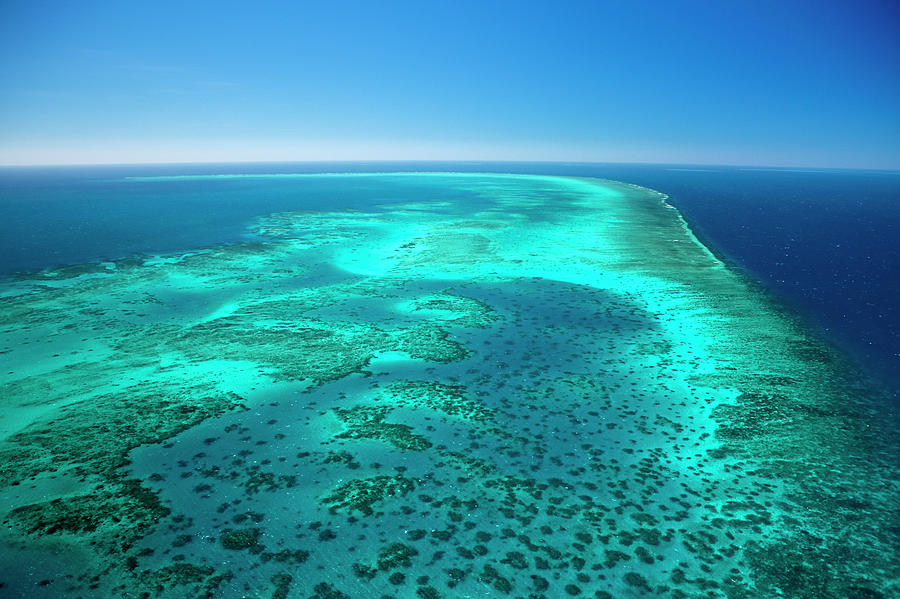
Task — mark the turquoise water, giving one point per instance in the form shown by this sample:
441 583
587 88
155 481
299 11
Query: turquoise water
430 386
822 241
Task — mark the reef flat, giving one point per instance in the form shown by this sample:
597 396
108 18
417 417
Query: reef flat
480 386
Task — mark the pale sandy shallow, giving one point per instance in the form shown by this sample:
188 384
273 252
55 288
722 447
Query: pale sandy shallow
554 391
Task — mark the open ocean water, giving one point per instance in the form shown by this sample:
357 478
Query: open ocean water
417 380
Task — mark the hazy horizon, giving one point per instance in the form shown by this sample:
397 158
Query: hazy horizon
797 85
350 161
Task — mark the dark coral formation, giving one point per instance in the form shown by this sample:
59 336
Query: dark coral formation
364 422
362 493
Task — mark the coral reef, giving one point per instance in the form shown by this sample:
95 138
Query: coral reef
543 388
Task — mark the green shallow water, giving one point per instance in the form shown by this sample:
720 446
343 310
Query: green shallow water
507 386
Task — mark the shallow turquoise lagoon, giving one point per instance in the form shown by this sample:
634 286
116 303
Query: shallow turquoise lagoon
433 385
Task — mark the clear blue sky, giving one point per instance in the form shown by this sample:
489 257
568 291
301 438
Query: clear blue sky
718 82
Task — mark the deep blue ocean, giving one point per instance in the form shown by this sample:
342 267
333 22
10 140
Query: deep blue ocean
826 243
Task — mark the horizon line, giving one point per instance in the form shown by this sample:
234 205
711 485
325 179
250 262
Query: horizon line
472 161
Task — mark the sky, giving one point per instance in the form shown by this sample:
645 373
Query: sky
780 83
